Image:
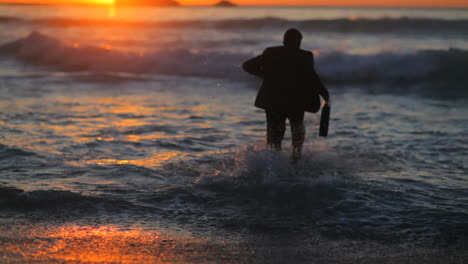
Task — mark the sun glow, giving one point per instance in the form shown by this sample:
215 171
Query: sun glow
100 2
109 2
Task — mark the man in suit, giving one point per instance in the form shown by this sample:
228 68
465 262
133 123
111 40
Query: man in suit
290 87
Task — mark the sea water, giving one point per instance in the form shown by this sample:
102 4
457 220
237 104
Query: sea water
129 135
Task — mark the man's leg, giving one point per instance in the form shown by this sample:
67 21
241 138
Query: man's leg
298 134
276 126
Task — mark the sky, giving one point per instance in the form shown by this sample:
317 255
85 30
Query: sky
393 3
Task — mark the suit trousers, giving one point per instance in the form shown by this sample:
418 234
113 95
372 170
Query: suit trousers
276 127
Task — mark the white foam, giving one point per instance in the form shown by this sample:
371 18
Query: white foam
258 166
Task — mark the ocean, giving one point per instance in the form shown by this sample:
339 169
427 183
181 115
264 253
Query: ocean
129 135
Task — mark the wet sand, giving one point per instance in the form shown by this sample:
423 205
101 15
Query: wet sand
101 243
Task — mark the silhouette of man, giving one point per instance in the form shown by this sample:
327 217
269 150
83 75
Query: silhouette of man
290 87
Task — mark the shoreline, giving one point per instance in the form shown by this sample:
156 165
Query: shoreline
99 242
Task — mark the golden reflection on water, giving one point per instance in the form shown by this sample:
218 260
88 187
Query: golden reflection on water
108 127
106 244
154 161
103 244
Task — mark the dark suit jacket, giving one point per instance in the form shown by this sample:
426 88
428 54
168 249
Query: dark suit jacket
290 83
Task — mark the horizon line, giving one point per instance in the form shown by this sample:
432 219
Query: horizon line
180 5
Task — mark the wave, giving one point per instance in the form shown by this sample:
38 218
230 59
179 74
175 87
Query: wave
50 200
364 25
43 50
258 189
256 166
11 197
325 192
8 152
335 67
13 159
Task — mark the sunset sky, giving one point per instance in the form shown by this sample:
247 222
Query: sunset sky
393 3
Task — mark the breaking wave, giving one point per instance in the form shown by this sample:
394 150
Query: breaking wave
259 190
321 189
335 67
364 25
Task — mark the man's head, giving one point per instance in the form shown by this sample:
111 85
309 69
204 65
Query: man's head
292 38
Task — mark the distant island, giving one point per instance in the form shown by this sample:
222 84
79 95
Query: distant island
146 3
225 3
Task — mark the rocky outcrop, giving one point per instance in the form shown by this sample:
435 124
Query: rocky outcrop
225 3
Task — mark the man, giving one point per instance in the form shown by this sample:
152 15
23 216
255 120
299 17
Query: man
290 87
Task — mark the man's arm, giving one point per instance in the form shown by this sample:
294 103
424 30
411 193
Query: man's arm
321 88
318 82
254 66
